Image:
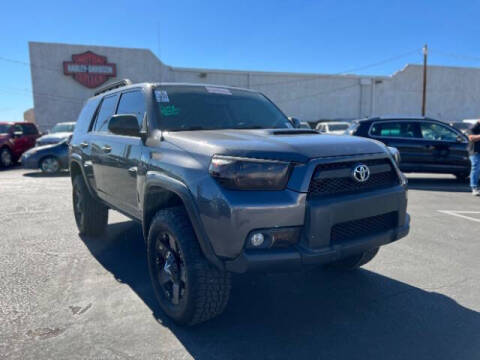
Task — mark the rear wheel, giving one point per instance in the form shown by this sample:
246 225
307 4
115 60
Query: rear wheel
50 165
6 157
91 216
355 261
188 288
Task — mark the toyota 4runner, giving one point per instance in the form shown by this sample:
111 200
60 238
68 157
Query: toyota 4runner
222 182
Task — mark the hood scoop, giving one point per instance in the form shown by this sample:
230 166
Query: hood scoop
295 132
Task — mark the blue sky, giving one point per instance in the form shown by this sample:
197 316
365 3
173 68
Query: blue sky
331 36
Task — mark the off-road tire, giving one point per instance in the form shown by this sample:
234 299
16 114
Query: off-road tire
207 288
91 216
12 161
355 261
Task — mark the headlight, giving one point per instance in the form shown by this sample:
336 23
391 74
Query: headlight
395 153
249 174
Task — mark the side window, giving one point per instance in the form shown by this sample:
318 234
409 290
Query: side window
132 102
432 131
401 129
29 129
17 128
85 117
107 109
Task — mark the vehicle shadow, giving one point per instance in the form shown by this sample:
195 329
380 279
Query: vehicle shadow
448 184
40 174
305 315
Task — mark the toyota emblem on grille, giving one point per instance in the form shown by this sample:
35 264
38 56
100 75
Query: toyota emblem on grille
361 173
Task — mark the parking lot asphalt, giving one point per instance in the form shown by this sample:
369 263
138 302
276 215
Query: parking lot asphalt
66 297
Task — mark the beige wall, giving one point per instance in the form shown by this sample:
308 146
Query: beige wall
453 93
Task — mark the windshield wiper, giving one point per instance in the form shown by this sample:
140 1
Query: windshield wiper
192 128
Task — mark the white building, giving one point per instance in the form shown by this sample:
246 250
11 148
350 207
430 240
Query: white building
61 84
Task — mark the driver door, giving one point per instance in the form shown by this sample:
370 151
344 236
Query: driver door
447 146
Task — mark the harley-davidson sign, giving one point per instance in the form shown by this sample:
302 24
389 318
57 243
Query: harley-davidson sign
89 69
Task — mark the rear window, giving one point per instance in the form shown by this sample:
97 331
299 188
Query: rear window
29 129
337 127
209 108
63 127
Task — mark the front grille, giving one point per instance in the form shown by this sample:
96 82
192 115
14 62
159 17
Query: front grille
336 178
355 229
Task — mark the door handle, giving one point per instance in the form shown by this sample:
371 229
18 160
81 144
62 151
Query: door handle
84 144
133 171
106 149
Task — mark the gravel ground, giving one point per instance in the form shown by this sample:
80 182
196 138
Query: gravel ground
63 297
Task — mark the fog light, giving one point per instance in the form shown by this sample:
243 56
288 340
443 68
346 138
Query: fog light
257 239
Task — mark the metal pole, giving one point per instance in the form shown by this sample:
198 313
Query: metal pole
424 97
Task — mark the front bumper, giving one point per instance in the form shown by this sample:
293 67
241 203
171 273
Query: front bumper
30 162
297 257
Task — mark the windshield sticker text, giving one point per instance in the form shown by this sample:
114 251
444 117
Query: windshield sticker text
169 110
161 96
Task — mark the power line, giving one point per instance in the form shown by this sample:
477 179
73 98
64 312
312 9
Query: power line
456 55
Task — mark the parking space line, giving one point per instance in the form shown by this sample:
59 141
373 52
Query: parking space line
460 214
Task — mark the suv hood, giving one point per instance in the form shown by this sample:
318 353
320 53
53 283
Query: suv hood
281 144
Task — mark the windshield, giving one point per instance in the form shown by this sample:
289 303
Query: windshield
212 108
4 128
338 127
63 128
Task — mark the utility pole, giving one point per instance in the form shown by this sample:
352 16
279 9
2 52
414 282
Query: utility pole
424 97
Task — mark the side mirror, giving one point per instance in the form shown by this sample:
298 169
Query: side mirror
17 133
297 124
461 139
124 124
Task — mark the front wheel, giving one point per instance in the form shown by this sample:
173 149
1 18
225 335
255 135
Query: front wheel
355 261
50 165
188 288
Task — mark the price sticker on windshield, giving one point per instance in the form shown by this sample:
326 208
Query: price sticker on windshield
161 96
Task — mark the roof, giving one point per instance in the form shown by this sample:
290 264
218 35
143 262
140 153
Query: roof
398 117
155 84
14 122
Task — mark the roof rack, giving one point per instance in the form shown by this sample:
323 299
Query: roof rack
113 85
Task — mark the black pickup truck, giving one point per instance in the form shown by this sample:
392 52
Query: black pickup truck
222 182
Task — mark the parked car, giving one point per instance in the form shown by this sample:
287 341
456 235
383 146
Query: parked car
425 145
51 159
15 139
222 182
464 127
333 127
59 132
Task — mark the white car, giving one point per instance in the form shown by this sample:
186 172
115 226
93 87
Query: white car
333 127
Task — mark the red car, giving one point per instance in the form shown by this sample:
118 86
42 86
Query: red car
15 139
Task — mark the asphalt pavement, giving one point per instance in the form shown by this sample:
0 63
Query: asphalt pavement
63 297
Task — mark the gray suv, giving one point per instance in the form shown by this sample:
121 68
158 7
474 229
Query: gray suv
222 182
